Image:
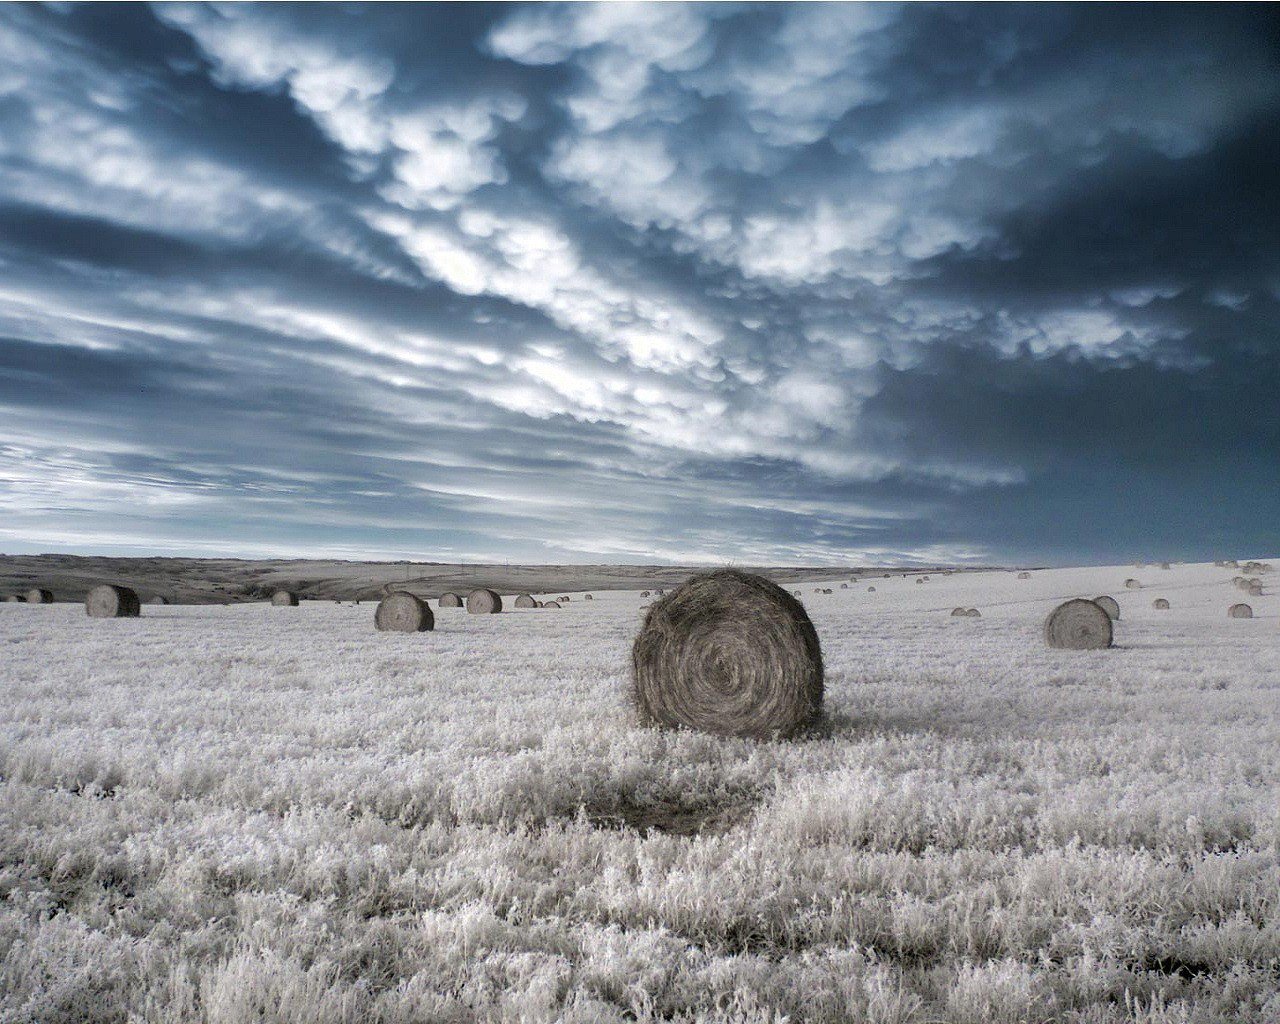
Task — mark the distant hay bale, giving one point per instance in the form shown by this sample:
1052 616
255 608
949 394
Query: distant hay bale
12 599
827 591
817 590
730 653
1024 575
920 579
484 602
158 599
1254 589
284 599
1108 605
644 593
588 597
1231 563
1078 625
450 600
973 613
551 604
1160 604
39 595
1132 584
402 612
844 586
959 611
1164 565
1240 611
871 590
111 602
526 601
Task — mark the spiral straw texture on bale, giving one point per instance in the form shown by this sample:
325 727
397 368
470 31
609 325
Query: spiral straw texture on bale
729 653
112 602
450 600
38 595
284 599
1108 605
402 612
484 602
1078 625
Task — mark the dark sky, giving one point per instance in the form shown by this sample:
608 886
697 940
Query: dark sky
802 284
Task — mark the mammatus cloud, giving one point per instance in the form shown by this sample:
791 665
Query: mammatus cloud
638 281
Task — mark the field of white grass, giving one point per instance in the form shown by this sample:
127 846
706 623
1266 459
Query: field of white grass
245 813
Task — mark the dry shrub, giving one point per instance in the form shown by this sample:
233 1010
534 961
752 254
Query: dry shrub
402 612
728 653
1078 625
111 602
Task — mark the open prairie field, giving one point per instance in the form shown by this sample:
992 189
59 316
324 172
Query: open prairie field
246 813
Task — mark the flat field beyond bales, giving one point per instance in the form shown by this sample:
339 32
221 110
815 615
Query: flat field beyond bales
245 813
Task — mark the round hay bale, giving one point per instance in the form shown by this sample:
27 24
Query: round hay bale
1132 584
1254 589
959 611
1078 625
402 612
539 604
1024 575
1108 605
484 602
284 599
844 586
450 600
12 599
588 597
920 579
644 593
1164 565
526 601
729 653
552 604
112 602
1240 611
827 591
973 613
161 599
39 595
1160 604
886 575
871 590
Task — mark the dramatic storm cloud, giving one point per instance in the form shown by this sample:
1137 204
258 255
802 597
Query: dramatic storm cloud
636 282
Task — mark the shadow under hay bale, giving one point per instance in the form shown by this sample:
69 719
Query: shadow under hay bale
484 602
1160 604
1240 611
284 599
39 595
728 653
526 601
402 612
1108 605
111 602
1078 625
450 600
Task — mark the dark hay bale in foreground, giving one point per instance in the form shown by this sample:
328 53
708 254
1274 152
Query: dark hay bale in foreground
112 602
160 599
484 602
284 599
39 595
1160 604
1078 625
526 601
402 612
973 613
1132 585
728 653
450 600
1240 611
1108 605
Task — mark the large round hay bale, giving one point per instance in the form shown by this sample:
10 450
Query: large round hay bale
1108 605
1132 584
450 600
1240 611
402 612
526 601
39 595
1078 625
160 599
484 602
730 653
1160 604
284 599
112 602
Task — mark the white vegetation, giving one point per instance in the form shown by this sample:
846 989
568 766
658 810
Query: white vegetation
226 814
